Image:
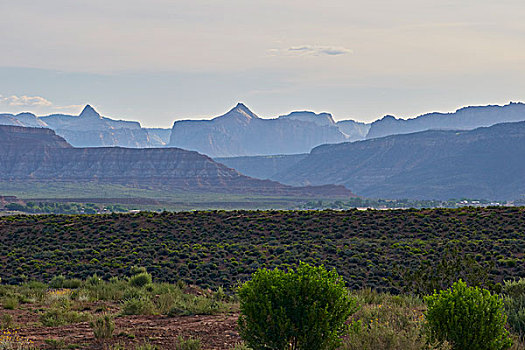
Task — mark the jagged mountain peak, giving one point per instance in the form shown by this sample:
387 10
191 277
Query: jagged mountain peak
89 112
241 110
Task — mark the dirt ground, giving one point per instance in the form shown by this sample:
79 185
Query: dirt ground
217 332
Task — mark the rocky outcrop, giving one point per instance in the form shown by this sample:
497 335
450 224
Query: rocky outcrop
485 163
40 155
242 133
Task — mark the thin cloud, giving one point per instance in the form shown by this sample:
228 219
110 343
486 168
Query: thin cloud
40 103
319 50
24 101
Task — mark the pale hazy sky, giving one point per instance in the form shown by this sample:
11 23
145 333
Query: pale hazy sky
156 61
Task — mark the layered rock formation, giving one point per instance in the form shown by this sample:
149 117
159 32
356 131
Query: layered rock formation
40 155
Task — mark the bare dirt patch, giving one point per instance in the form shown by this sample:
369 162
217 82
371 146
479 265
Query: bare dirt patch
217 332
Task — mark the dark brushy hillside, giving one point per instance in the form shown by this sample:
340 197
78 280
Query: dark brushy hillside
211 249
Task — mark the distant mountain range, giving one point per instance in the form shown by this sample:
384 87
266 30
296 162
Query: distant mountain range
439 163
240 132
90 129
39 155
466 118
486 163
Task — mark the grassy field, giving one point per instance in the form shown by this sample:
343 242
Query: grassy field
144 199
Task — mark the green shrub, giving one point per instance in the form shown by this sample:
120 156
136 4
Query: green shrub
515 306
388 322
138 306
94 280
469 318
55 343
103 327
57 282
187 344
58 317
108 291
6 321
10 302
194 305
302 309
73 283
515 310
140 280
135 270
514 288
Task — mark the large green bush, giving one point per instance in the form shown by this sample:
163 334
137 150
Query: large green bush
302 309
470 318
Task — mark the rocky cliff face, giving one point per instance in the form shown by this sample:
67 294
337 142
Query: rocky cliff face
240 133
40 155
354 131
15 138
467 118
159 136
485 163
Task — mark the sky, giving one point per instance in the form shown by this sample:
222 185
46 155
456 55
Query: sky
157 61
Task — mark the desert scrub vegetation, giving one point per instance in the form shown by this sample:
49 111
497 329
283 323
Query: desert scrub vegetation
389 322
187 344
374 248
514 293
287 310
103 327
99 303
370 319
